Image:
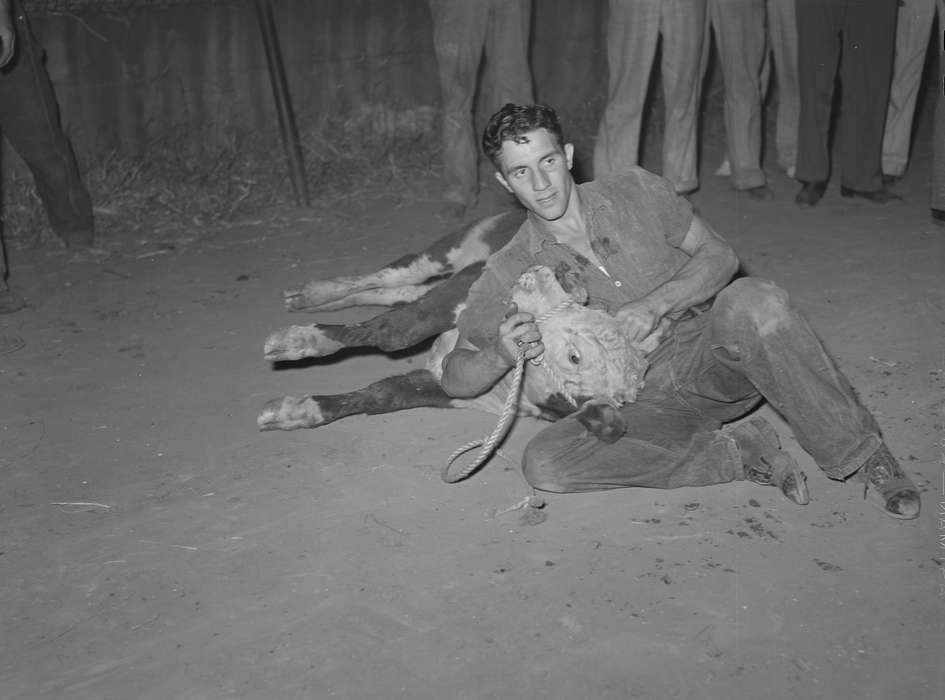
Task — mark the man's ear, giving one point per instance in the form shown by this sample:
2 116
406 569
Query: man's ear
569 154
505 183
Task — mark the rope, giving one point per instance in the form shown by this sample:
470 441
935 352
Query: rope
509 410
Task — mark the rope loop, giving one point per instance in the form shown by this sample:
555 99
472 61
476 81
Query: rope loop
509 410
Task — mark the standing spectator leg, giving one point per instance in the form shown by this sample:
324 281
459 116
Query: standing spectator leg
9 301
782 36
818 55
631 36
685 52
459 32
938 130
912 41
31 124
740 38
869 37
507 48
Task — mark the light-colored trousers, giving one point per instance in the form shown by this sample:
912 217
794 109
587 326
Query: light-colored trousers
912 41
739 27
782 38
632 32
462 29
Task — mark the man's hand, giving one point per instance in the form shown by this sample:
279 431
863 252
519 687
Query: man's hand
517 330
639 319
7 34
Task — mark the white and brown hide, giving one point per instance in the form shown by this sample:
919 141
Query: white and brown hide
589 365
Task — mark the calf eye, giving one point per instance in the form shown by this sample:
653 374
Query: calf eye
575 358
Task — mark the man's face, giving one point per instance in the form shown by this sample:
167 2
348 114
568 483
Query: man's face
538 172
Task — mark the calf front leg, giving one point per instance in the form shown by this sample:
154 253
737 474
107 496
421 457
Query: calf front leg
415 389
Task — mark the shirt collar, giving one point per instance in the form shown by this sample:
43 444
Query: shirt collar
588 198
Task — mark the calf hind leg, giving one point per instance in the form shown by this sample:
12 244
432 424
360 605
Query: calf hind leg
462 247
415 389
400 328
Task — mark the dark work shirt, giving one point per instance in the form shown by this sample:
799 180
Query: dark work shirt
635 222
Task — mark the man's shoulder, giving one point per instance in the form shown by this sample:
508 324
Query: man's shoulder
630 182
515 250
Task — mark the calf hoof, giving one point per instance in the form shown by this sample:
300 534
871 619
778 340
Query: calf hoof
298 342
290 413
312 296
295 300
603 420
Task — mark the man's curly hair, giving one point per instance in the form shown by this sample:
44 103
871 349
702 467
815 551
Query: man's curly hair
512 122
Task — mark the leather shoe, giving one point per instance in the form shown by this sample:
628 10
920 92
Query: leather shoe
888 487
889 180
879 196
810 194
760 193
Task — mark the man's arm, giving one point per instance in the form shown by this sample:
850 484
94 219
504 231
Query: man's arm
468 371
711 265
7 33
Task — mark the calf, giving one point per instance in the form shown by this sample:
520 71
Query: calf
589 365
424 288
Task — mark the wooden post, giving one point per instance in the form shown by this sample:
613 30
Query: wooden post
280 92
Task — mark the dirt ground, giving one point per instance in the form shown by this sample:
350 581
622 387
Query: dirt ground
155 545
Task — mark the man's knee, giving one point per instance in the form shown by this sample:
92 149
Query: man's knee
759 303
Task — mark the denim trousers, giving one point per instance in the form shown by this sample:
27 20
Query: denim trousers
634 28
29 119
752 345
740 36
462 30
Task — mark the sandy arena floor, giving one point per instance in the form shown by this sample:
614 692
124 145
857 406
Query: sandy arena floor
155 545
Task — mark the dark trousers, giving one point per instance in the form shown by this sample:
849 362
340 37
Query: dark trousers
462 30
713 369
859 37
29 119
938 133
3 267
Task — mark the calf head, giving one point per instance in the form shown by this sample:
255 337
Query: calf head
587 353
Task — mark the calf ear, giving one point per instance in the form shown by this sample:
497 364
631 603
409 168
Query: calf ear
603 420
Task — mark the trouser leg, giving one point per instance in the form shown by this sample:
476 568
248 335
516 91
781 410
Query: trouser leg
632 32
4 270
30 121
667 445
782 36
740 38
869 37
685 31
912 40
758 335
459 31
507 48
938 130
818 55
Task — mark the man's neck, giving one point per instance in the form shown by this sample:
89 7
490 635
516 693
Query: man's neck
570 228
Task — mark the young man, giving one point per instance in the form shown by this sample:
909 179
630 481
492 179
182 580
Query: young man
643 255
